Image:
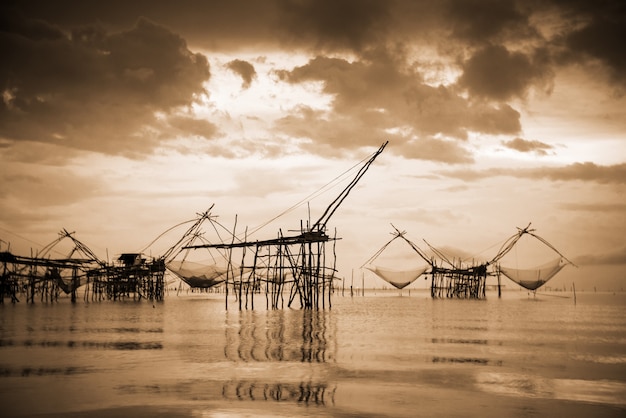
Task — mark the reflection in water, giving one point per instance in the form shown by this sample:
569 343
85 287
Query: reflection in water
468 360
43 371
306 336
368 356
301 393
305 393
458 341
111 345
64 342
464 359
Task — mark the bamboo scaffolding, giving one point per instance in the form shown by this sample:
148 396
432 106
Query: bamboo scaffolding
293 265
39 275
456 279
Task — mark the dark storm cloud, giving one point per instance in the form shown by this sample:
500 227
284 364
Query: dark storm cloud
336 24
598 33
90 89
104 75
523 145
496 73
216 25
380 95
244 69
479 21
587 172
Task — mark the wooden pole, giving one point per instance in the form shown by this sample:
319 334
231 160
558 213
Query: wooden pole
228 269
499 286
352 284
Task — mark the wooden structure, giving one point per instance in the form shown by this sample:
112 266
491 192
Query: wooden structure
288 269
46 278
130 276
42 277
456 279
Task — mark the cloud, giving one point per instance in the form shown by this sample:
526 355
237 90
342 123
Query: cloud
244 69
93 90
596 207
597 35
178 125
377 97
335 24
588 172
479 21
617 257
435 149
99 87
523 145
50 186
496 73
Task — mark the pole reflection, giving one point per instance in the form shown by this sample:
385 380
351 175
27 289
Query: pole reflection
306 336
297 336
306 393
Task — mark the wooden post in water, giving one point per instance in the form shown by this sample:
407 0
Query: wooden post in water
74 284
363 283
352 284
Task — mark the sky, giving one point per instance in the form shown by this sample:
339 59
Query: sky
122 119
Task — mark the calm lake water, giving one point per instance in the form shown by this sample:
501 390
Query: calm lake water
384 354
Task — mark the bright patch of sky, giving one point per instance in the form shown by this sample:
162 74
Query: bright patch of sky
267 96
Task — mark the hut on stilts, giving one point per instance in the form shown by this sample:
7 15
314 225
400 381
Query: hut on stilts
289 270
130 276
457 279
42 277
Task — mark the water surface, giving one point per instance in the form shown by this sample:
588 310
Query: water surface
379 355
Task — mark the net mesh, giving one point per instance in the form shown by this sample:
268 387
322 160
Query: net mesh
397 278
533 279
197 274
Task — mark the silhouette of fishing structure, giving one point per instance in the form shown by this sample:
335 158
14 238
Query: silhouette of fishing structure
288 269
42 277
295 265
457 279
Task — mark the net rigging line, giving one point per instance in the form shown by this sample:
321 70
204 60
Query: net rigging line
439 254
399 234
190 235
165 232
511 241
475 255
382 249
21 237
325 188
51 249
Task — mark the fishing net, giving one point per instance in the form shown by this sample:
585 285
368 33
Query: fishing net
197 274
532 279
397 278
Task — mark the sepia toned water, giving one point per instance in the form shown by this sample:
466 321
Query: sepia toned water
382 354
